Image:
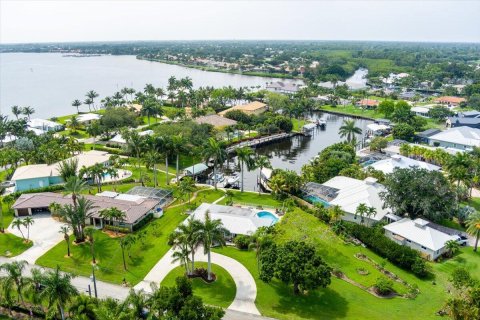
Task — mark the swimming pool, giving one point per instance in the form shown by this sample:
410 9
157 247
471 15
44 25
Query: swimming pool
314 200
268 215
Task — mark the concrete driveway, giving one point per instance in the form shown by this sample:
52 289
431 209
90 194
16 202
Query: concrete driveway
44 233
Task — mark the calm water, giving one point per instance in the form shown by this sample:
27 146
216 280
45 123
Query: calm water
292 154
49 82
357 81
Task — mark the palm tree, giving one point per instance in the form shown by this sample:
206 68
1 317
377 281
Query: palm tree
167 149
94 130
83 307
91 95
16 110
349 130
371 212
187 186
74 124
76 103
459 170
335 213
74 185
188 233
28 111
244 156
68 168
211 232
178 147
18 223
97 171
452 247
27 222
262 162
151 158
113 213
182 252
14 278
125 243
473 227
65 231
215 150
361 211
90 232
58 289
76 216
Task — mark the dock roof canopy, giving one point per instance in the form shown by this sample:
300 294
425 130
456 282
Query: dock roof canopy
196 169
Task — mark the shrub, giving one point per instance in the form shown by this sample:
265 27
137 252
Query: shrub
383 286
118 229
402 256
242 241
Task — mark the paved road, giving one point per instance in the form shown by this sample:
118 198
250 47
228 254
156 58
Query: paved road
244 300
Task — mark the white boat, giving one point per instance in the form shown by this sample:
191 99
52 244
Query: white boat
233 179
220 177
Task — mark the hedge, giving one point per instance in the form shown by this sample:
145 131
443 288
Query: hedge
116 228
57 187
402 256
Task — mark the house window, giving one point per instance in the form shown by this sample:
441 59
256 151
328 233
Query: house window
424 248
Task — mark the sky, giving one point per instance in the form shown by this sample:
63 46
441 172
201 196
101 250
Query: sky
89 20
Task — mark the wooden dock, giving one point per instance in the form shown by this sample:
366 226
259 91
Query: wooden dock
260 141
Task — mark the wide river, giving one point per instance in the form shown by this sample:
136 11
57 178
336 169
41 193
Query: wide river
49 82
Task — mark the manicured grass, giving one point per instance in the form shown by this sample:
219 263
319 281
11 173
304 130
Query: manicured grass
109 255
298 124
219 293
253 198
13 244
7 215
342 300
209 196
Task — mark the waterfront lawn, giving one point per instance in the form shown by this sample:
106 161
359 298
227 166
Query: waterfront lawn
109 255
13 244
219 293
298 124
253 198
208 195
342 300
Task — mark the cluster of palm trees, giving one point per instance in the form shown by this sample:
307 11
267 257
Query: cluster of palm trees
26 111
194 233
25 223
364 211
90 97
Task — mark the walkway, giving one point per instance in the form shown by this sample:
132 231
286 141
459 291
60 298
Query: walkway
246 288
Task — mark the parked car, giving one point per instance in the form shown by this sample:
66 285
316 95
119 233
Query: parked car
462 240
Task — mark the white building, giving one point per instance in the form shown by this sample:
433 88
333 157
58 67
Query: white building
349 193
118 139
462 138
418 235
44 125
421 111
87 118
400 162
234 219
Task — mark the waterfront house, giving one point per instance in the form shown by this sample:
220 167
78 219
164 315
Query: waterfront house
216 121
368 103
283 87
424 136
136 208
37 176
236 220
460 138
419 235
349 193
449 101
471 122
252 108
400 162
44 125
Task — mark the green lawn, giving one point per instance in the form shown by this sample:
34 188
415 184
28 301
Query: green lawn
253 198
219 293
342 300
298 124
13 244
109 255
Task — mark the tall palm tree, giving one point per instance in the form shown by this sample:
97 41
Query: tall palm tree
28 111
68 168
349 130
74 124
90 232
92 95
335 213
13 279
452 247
74 185
97 171
16 110
244 156
151 159
459 169
76 103
125 243
261 162
65 230
473 227
76 215
186 187
182 252
216 151
27 222
189 233
178 147
18 223
58 289
361 211
211 232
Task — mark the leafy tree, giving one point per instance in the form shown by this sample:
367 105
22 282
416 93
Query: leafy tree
239 116
378 143
386 107
402 112
452 247
440 112
297 263
285 182
403 131
383 285
418 192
